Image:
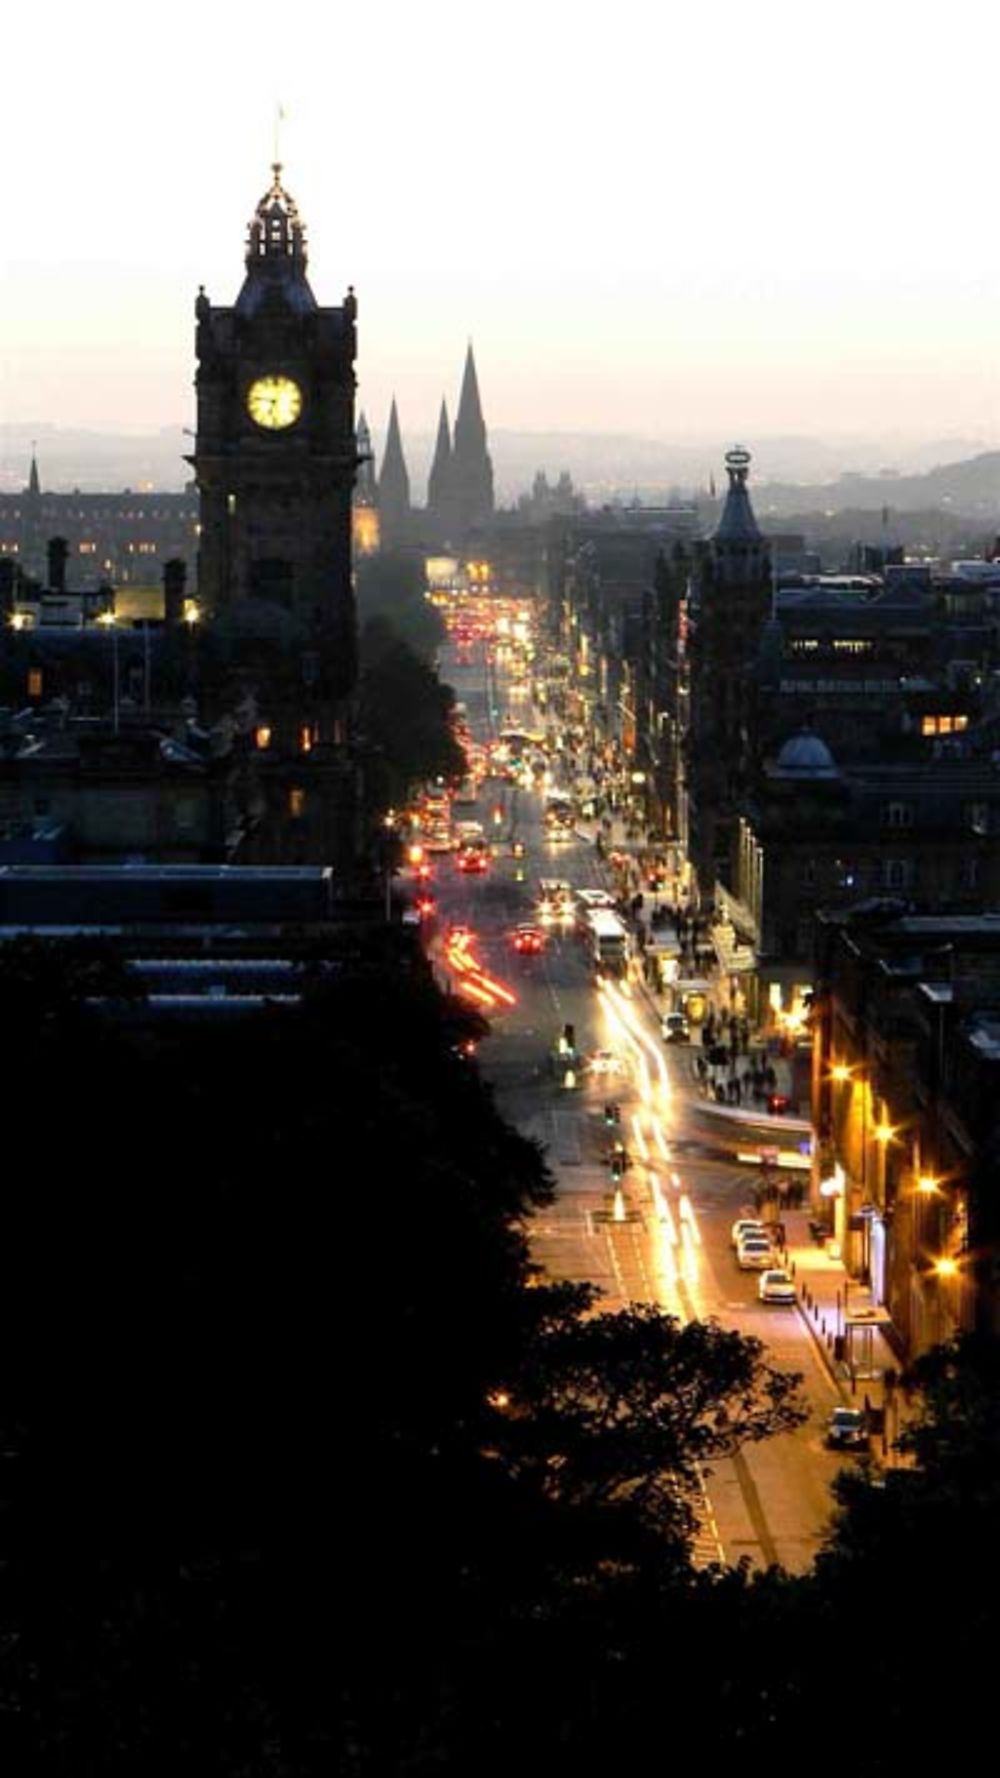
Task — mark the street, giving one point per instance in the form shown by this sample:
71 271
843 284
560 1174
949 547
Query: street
662 1234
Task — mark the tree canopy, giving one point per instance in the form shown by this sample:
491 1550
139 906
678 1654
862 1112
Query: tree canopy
392 586
306 1469
405 717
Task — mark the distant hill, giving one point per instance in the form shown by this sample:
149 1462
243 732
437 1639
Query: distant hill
970 488
791 475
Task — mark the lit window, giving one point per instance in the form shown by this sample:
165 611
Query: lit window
263 738
296 803
306 738
35 682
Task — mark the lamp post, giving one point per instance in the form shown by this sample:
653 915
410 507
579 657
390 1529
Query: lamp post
107 618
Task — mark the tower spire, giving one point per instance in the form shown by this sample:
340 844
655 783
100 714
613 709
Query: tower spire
394 484
276 257
471 489
439 480
738 523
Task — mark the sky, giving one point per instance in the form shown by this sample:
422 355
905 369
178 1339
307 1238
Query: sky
734 220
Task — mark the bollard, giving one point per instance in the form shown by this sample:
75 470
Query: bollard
822 1325
791 1268
815 1308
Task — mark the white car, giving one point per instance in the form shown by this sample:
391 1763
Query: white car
746 1225
776 1287
754 1254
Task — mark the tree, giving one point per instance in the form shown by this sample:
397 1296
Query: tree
405 717
624 1408
393 587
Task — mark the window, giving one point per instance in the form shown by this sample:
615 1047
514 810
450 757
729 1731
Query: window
296 803
35 682
897 814
851 645
807 874
978 817
968 873
943 725
897 873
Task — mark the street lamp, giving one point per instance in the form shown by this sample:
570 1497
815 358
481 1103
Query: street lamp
107 618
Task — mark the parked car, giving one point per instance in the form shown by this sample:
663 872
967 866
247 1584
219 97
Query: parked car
754 1253
776 1286
847 1430
675 1028
746 1225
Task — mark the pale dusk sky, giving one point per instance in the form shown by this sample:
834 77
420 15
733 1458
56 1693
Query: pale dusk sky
676 221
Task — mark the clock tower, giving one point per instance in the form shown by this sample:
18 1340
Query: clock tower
275 453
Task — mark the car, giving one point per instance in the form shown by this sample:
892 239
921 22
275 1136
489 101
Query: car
746 1225
472 859
776 1287
754 1254
528 941
675 1028
605 1062
847 1430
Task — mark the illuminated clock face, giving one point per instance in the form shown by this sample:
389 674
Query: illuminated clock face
274 402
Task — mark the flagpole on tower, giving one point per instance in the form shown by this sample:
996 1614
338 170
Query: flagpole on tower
279 118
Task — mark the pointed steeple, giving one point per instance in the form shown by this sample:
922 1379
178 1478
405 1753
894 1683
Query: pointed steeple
364 481
394 484
439 480
470 428
471 469
34 487
738 524
276 257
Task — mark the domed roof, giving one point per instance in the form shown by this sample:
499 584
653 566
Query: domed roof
805 755
276 256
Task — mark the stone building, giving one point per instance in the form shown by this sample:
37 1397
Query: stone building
906 1104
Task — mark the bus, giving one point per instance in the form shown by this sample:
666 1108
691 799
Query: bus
608 942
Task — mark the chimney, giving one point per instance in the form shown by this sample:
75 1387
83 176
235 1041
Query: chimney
58 550
174 579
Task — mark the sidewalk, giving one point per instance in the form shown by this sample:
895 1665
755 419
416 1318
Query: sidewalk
848 1329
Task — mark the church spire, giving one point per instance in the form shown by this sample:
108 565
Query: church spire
471 470
394 484
470 428
34 486
364 485
439 480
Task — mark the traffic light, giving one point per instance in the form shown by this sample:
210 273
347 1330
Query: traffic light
617 1167
612 1114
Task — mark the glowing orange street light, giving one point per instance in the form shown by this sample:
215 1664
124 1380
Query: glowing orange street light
840 1072
927 1185
884 1133
946 1268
